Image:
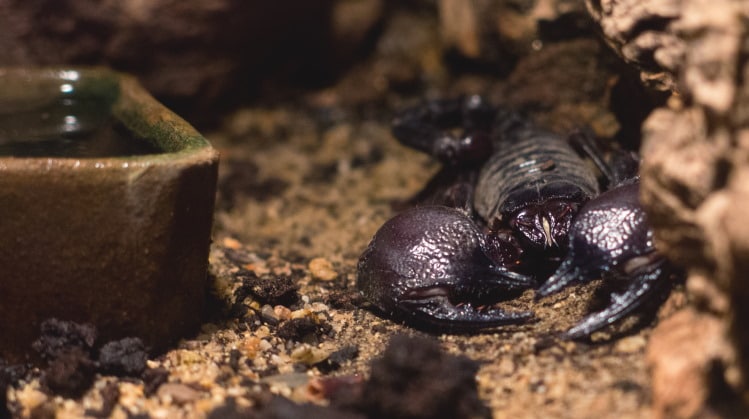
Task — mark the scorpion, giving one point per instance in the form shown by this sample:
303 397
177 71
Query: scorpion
522 205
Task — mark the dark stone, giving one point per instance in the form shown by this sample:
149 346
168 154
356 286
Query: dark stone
338 358
234 356
230 410
153 378
345 299
343 391
9 375
60 336
267 289
4 383
304 330
416 379
281 408
70 374
123 358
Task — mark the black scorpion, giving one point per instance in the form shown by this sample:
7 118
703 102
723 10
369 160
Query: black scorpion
532 208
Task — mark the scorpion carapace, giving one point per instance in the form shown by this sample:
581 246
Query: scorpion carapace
432 266
532 201
530 180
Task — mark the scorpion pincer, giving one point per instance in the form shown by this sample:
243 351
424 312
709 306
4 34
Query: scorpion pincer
611 237
534 201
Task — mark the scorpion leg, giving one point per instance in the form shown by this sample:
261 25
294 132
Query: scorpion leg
449 187
643 285
619 167
432 266
459 305
426 128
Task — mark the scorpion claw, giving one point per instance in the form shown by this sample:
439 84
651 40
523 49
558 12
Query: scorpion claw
641 288
611 235
439 312
431 265
501 276
566 274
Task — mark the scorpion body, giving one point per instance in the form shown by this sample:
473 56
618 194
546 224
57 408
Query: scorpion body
531 206
535 180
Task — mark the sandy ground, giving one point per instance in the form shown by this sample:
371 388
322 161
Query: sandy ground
525 371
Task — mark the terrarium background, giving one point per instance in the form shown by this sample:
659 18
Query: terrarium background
297 95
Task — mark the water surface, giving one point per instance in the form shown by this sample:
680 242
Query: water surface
69 127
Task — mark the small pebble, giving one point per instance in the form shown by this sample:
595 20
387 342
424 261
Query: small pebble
319 307
506 366
282 312
179 393
309 355
29 397
268 315
260 363
262 331
322 269
251 346
600 336
294 379
185 357
265 345
232 243
630 344
569 346
298 314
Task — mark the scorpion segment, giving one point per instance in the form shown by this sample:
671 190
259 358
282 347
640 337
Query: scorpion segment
427 128
611 237
429 266
533 183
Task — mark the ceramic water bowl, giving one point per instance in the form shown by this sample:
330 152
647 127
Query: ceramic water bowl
106 203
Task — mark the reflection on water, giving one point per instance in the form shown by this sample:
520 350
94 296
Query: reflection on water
70 127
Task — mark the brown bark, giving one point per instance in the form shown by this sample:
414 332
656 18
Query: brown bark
695 168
